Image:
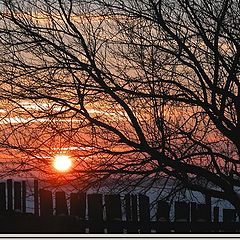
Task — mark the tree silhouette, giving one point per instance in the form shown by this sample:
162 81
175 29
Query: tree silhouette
142 89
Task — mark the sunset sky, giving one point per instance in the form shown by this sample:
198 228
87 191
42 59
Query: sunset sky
124 89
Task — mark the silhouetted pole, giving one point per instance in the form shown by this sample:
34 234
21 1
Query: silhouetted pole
163 210
216 214
113 207
182 214
36 198
17 196
208 202
202 215
144 213
61 203
134 214
95 213
131 213
46 203
2 198
78 205
24 195
113 213
9 195
229 217
215 218
78 208
134 208
128 208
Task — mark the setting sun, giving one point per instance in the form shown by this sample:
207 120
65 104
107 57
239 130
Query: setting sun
62 163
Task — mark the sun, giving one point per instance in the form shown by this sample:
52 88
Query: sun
62 163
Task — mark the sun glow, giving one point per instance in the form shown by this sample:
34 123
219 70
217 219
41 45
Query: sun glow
62 163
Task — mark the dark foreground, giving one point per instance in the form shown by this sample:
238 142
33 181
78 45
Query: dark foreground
68 224
79 212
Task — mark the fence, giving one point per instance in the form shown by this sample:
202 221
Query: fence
97 213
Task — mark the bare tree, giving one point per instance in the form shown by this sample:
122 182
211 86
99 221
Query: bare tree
136 90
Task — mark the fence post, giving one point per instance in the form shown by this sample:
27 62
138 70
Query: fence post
2 198
134 214
229 217
9 195
46 203
163 210
128 208
144 213
24 196
17 196
201 216
134 208
61 203
36 198
216 219
202 213
208 202
95 213
78 205
131 213
113 213
216 214
193 207
78 208
182 214
193 218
